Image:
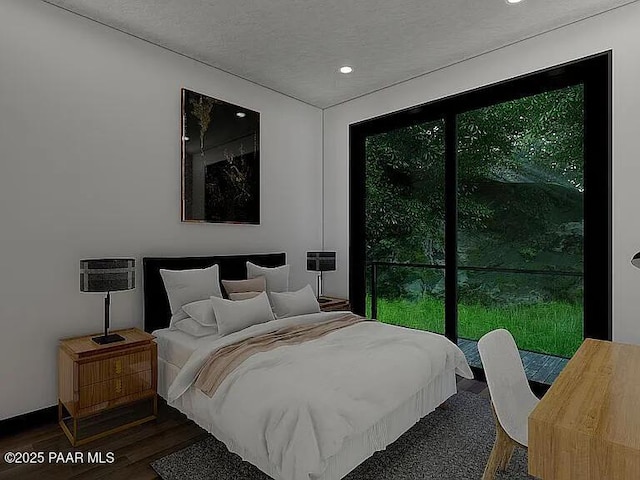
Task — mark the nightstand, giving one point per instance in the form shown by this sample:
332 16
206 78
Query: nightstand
331 304
93 379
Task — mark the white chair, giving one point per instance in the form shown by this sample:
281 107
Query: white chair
511 397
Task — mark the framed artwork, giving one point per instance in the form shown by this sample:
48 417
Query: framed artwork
220 161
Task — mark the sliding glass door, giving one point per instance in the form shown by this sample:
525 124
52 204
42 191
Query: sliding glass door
490 209
404 215
521 220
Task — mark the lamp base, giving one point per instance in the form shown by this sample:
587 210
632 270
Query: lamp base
106 339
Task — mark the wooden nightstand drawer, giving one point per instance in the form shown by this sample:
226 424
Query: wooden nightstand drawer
118 387
101 370
93 378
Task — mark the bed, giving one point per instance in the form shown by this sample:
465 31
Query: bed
313 411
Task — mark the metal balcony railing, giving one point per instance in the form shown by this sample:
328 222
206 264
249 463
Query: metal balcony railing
375 264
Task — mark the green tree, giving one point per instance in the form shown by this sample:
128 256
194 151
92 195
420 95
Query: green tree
536 139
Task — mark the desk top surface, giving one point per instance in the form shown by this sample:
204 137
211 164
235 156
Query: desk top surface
597 394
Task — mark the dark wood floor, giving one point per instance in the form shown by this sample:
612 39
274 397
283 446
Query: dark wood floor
134 449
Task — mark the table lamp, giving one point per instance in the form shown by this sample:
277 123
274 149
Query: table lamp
321 262
635 261
106 275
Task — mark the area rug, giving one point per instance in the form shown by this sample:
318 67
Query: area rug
450 443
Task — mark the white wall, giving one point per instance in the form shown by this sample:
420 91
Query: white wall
90 166
618 30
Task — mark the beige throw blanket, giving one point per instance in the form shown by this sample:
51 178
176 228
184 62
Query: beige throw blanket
222 362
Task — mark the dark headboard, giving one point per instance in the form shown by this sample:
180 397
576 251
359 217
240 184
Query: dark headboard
157 312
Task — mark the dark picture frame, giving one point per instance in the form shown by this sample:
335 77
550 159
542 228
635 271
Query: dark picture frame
220 145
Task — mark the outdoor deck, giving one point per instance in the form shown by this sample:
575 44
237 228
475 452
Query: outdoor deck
539 367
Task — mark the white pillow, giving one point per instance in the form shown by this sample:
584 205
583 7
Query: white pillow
186 286
233 316
277 278
176 317
195 329
202 312
289 304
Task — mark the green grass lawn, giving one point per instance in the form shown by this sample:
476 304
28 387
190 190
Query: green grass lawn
553 327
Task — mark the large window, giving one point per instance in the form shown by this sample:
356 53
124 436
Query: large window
490 209
521 220
405 224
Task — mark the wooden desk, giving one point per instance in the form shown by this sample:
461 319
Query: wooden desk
587 426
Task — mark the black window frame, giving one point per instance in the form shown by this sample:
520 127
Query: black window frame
595 73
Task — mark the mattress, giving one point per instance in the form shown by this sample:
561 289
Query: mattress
175 361
354 450
175 347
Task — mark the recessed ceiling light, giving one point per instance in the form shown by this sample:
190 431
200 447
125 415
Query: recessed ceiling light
346 69
241 114
512 2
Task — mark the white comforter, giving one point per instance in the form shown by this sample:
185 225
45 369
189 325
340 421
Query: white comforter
296 404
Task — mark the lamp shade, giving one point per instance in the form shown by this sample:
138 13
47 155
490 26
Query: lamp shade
107 274
321 261
635 261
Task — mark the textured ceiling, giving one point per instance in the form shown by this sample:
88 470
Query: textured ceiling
297 46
